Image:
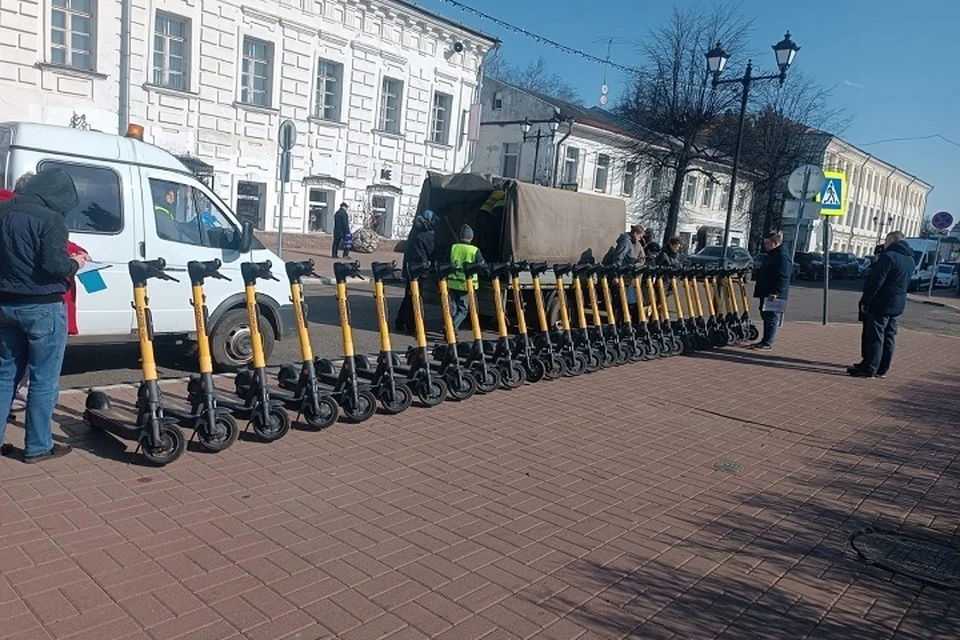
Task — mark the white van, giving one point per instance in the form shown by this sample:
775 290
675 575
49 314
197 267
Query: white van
138 202
924 261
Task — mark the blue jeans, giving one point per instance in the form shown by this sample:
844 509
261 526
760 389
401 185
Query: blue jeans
877 343
458 307
33 335
771 320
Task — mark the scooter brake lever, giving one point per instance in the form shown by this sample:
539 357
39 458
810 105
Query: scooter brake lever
219 276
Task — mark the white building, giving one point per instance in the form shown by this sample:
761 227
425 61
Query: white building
380 91
594 155
881 197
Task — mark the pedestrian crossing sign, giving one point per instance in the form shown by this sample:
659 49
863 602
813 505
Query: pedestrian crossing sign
833 196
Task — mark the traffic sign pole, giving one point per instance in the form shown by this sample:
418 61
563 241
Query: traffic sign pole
826 271
287 139
941 221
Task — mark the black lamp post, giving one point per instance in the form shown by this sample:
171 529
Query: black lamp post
526 125
785 51
883 221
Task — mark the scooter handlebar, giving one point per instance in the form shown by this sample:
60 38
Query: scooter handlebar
537 268
471 269
143 270
444 269
562 269
500 269
199 271
582 269
344 270
383 270
416 271
253 271
298 269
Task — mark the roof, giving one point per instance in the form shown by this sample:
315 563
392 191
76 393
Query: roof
81 143
448 21
830 136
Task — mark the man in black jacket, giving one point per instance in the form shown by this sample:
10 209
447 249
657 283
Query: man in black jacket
341 227
883 301
773 283
419 250
34 268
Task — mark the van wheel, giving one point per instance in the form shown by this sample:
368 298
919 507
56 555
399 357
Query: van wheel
230 343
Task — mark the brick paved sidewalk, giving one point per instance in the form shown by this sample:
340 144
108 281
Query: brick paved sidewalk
590 507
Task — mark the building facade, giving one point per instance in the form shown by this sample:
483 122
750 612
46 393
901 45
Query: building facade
592 150
380 92
880 198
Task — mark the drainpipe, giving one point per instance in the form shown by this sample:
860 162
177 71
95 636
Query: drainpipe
123 93
906 191
856 201
883 204
556 154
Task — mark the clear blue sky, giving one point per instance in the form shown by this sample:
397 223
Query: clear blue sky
894 65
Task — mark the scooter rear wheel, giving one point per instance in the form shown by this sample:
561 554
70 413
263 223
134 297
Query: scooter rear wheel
676 346
512 375
536 370
274 426
753 333
433 394
576 364
462 389
487 380
329 411
171 446
225 435
361 409
398 401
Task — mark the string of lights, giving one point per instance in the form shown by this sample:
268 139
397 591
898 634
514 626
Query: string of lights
541 39
911 138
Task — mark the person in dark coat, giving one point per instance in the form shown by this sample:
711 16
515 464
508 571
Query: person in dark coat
341 227
670 255
773 283
882 303
419 250
35 269
628 247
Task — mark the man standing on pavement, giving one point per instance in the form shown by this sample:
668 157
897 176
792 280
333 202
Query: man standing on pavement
341 227
773 283
883 301
419 251
462 253
34 273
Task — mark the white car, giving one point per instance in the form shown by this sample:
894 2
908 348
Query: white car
946 276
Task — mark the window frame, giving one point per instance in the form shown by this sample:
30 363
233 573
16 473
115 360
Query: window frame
45 162
567 164
382 122
503 160
605 166
247 85
708 195
187 48
67 29
445 138
320 107
629 170
194 192
690 188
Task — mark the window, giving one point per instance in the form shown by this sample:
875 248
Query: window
442 108
256 73
690 189
656 182
571 165
629 178
390 95
319 210
741 199
498 101
707 201
251 203
71 33
381 221
99 208
171 51
724 196
511 160
329 90
600 177
184 214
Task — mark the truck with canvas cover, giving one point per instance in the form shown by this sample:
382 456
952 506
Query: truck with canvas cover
521 222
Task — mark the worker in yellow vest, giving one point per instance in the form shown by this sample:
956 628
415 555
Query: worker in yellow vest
461 253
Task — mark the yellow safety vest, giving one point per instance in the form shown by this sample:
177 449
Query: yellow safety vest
461 254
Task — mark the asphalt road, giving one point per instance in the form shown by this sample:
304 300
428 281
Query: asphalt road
92 366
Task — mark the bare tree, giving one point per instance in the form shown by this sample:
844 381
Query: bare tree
777 138
673 96
535 76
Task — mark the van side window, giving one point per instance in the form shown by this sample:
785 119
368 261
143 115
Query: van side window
184 214
99 209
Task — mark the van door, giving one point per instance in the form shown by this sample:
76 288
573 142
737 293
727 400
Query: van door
104 223
182 223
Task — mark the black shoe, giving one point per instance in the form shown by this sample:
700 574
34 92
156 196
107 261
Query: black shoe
6 450
861 373
58 451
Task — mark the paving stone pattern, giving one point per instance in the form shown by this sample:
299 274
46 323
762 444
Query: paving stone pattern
592 507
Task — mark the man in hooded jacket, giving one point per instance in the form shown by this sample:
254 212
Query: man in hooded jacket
419 251
883 301
34 276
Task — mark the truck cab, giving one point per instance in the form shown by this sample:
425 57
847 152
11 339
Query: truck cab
138 202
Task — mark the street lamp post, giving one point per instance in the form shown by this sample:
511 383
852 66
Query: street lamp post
785 51
554 124
882 222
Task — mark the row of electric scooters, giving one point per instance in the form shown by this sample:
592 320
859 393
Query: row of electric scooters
452 370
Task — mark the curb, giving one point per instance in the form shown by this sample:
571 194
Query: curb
933 303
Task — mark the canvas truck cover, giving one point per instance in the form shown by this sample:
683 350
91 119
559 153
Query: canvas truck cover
521 221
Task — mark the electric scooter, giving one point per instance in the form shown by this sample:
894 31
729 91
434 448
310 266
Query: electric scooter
642 327
584 340
636 350
482 368
524 353
213 426
718 323
267 416
158 437
460 383
672 342
575 360
732 308
387 383
609 358
300 388
698 321
430 388
555 366
612 333
749 329
512 372
357 401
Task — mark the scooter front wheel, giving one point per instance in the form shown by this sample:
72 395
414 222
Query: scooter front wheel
271 427
512 375
676 346
487 379
223 434
753 333
536 370
361 409
171 446
462 387
432 394
324 416
576 364
398 401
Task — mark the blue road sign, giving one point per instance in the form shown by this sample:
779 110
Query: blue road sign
833 196
941 220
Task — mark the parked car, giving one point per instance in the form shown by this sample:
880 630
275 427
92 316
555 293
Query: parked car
737 257
947 276
843 265
810 265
